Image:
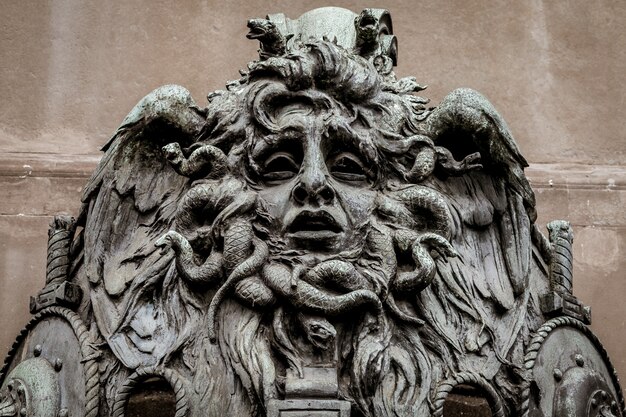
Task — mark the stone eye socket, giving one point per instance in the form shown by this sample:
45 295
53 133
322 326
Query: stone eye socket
280 166
348 167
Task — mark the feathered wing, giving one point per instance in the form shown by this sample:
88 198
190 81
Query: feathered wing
481 297
129 202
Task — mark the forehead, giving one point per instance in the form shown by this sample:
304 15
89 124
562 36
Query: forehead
298 116
303 123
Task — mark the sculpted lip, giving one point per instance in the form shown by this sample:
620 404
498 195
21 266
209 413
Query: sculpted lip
254 34
314 224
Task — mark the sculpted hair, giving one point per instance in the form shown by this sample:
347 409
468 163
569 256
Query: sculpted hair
327 78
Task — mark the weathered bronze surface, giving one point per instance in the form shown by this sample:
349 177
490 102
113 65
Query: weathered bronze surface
316 241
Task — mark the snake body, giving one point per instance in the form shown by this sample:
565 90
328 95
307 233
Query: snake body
417 208
227 204
338 274
312 299
244 270
210 271
421 246
206 159
257 282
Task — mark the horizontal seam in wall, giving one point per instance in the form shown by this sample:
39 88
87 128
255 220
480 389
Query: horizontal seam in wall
34 216
52 175
557 176
37 165
570 186
597 226
602 226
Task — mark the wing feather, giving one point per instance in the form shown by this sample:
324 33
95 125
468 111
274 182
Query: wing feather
131 200
494 209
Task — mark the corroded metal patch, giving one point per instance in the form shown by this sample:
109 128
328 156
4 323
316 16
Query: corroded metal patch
53 361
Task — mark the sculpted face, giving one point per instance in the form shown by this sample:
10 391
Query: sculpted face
317 183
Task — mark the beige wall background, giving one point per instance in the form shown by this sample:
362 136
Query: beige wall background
70 70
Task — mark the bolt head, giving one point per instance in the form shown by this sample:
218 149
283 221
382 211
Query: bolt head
558 375
23 412
580 361
58 364
37 350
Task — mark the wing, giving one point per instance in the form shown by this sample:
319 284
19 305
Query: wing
481 296
129 202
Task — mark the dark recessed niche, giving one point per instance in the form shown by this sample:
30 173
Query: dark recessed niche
154 398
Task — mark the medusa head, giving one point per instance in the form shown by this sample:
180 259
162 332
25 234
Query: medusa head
328 178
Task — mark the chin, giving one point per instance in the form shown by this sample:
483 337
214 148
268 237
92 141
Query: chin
320 241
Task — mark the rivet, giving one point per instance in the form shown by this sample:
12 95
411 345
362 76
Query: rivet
63 412
594 403
23 411
21 390
580 361
58 364
37 350
558 375
603 395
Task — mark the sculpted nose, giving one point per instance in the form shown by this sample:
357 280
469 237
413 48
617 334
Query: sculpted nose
313 188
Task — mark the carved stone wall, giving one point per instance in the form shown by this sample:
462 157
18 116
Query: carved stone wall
70 72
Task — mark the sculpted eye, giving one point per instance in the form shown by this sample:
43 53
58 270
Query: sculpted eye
280 166
348 167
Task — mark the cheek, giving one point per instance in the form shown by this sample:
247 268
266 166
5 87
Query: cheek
276 199
357 202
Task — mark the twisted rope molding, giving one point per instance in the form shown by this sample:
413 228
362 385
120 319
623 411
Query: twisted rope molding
171 376
470 378
537 341
88 352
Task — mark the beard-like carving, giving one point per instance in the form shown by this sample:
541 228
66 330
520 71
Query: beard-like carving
317 305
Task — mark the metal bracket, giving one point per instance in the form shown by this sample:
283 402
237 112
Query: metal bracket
308 408
64 294
554 304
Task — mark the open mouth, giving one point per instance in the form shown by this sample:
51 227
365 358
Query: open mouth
256 31
368 21
314 225
255 34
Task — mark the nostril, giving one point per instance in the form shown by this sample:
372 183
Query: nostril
326 194
300 194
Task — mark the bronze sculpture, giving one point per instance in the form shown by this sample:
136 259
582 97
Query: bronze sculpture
316 241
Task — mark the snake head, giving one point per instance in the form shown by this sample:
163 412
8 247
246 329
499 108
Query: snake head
173 153
367 27
165 242
472 162
260 28
438 246
318 330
